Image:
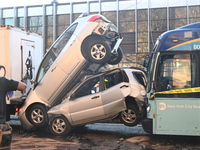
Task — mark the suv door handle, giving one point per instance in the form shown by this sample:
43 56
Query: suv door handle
53 69
124 86
95 97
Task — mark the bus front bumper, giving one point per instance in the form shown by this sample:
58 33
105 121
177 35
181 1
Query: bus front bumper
147 125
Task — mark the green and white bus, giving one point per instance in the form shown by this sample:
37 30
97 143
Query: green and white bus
173 73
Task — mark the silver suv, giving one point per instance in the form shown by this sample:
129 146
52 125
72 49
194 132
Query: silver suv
104 96
86 45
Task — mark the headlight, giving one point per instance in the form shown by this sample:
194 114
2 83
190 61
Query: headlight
148 108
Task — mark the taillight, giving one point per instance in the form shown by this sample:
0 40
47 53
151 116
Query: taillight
94 17
18 109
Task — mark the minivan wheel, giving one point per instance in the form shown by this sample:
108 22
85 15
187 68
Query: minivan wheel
59 126
96 50
116 57
130 116
37 115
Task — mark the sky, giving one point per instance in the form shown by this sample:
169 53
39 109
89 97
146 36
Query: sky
12 3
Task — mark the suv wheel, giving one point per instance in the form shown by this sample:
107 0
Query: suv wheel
116 58
130 116
37 115
96 50
59 126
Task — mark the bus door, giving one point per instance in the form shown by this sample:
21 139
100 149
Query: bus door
177 113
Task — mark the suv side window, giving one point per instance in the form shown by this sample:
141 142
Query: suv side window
53 53
140 78
114 79
62 41
89 87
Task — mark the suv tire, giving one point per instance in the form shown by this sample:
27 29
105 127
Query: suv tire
59 126
37 115
130 116
116 58
96 50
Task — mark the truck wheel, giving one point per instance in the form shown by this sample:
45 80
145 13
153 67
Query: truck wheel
59 126
130 116
37 115
116 58
96 50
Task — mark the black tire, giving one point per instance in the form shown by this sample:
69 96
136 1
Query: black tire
59 126
116 58
130 116
96 50
37 115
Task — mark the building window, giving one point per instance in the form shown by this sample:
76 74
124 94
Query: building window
127 21
177 17
35 24
35 11
20 22
63 21
142 30
158 19
194 14
110 15
8 21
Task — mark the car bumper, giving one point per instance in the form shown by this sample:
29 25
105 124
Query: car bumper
25 123
147 125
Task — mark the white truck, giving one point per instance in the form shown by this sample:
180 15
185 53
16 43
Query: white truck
21 52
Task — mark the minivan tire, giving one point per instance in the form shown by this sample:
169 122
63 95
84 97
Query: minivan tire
37 115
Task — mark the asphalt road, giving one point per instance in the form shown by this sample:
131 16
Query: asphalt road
100 136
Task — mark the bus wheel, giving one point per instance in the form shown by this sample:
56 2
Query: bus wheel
130 116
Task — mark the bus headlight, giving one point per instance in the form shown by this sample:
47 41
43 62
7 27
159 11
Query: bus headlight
148 108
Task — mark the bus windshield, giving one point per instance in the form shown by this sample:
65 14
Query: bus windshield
150 66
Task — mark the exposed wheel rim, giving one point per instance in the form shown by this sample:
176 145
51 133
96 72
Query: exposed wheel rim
37 116
129 116
58 126
98 51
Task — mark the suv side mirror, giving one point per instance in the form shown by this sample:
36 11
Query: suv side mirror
33 81
72 96
145 62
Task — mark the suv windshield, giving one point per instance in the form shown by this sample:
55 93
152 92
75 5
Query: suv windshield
54 51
